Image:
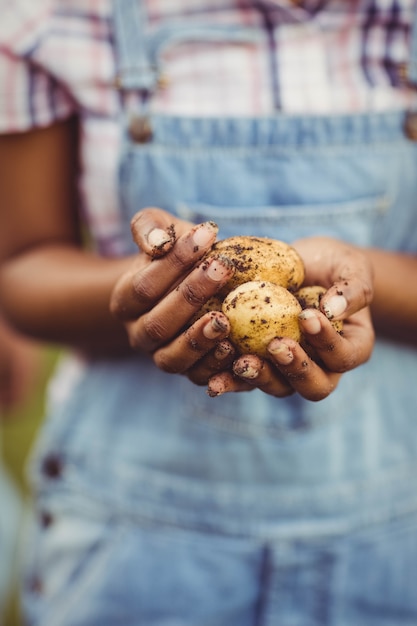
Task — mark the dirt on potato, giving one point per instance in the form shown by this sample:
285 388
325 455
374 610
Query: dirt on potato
260 258
259 311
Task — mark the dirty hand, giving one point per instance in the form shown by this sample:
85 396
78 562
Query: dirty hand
315 372
164 288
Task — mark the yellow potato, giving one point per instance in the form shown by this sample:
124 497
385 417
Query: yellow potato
261 258
213 304
258 311
309 297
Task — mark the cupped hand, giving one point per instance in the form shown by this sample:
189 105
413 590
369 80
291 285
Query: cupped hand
315 369
166 286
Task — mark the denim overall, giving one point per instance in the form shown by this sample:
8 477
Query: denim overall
161 506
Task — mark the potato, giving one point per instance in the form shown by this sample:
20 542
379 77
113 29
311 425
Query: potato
213 304
258 311
260 258
309 297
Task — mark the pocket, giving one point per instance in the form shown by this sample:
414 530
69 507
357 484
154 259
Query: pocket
167 44
378 573
244 198
69 565
354 220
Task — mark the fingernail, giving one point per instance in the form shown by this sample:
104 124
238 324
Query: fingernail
245 370
280 352
219 268
214 328
216 386
158 238
223 350
310 322
205 234
335 306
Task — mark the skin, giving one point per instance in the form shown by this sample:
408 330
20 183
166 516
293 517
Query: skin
55 290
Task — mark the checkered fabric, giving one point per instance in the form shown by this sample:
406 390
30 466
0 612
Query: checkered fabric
311 56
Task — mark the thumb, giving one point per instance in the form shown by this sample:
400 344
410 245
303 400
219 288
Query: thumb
351 293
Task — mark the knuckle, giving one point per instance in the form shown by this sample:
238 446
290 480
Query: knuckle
145 335
193 295
178 261
346 363
144 290
153 329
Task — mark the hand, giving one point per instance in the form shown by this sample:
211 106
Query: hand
166 286
315 371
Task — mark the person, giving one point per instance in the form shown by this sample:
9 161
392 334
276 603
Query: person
133 137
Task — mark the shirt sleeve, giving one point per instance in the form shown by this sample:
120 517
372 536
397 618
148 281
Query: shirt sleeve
29 96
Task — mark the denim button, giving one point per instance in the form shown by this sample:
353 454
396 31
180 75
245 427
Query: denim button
52 466
35 585
410 125
140 129
46 519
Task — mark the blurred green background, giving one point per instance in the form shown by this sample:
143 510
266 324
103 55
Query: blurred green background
18 430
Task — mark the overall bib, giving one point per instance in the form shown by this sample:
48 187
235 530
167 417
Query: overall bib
243 510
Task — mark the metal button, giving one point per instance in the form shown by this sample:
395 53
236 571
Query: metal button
410 125
46 519
140 129
35 585
52 466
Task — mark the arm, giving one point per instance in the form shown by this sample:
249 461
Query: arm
51 288
55 290
394 307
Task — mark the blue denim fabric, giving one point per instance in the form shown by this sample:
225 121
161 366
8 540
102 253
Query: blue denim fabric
161 506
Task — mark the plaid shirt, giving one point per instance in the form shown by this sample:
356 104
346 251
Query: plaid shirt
313 56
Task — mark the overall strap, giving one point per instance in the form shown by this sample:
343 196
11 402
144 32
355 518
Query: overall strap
135 70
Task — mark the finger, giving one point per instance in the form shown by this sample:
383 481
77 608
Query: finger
343 268
346 296
193 344
259 373
167 319
339 351
155 230
137 291
301 372
219 359
226 382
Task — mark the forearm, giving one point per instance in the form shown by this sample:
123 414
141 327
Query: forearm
394 307
61 294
